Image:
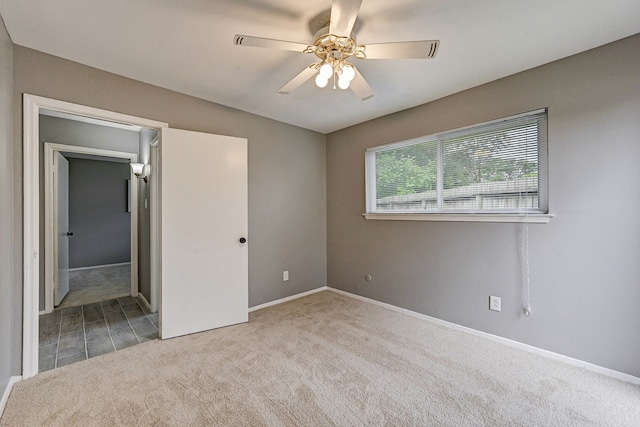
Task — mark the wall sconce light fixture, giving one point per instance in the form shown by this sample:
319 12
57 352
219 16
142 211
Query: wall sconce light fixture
140 170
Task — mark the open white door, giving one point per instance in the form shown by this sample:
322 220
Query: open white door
61 203
204 220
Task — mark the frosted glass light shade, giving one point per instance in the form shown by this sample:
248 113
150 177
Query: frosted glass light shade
348 72
321 81
137 168
326 71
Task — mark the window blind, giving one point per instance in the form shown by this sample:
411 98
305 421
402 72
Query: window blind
498 166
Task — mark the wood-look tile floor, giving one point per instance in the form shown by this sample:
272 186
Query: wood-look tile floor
73 334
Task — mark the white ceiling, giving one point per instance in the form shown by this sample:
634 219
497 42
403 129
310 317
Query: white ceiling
187 46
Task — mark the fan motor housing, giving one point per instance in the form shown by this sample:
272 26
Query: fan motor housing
326 43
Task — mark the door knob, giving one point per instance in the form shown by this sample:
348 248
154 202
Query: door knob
243 240
69 233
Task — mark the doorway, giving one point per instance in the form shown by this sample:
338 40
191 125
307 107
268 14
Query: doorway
91 240
57 233
33 236
192 176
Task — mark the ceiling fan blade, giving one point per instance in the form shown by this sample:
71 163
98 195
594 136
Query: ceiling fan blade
424 49
299 80
242 40
360 87
343 17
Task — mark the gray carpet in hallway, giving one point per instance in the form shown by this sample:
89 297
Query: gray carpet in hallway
325 359
97 284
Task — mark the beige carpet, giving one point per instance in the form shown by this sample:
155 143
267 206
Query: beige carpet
97 284
323 360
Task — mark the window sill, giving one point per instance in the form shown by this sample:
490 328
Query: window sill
517 218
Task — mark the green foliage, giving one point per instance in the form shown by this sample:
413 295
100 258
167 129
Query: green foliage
487 157
407 170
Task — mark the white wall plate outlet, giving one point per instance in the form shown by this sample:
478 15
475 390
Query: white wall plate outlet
285 276
495 303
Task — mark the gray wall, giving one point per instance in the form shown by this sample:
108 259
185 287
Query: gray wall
98 214
7 251
584 263
68 132
287 200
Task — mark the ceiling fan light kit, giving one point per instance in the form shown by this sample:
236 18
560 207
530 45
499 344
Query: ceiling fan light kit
333 65
334 44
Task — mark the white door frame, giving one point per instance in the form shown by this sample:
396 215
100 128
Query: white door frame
154 227
50 223
31 208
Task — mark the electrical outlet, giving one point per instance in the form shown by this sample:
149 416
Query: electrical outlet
285 276
495 303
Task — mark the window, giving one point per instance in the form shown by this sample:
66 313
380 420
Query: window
499 167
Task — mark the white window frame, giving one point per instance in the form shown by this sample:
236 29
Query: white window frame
541 215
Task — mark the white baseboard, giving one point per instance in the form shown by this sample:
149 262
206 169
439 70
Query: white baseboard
99 266
7 392
526 347
283 300
144 301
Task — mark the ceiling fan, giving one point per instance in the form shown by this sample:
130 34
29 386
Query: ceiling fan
334 44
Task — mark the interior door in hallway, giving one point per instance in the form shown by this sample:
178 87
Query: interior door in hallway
61 186
203 223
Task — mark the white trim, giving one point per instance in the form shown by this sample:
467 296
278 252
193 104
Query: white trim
84 119
7 392
519 218
511 343
31 237
90 112
99 266
51 226
31 215
287 299
144 301
155 230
